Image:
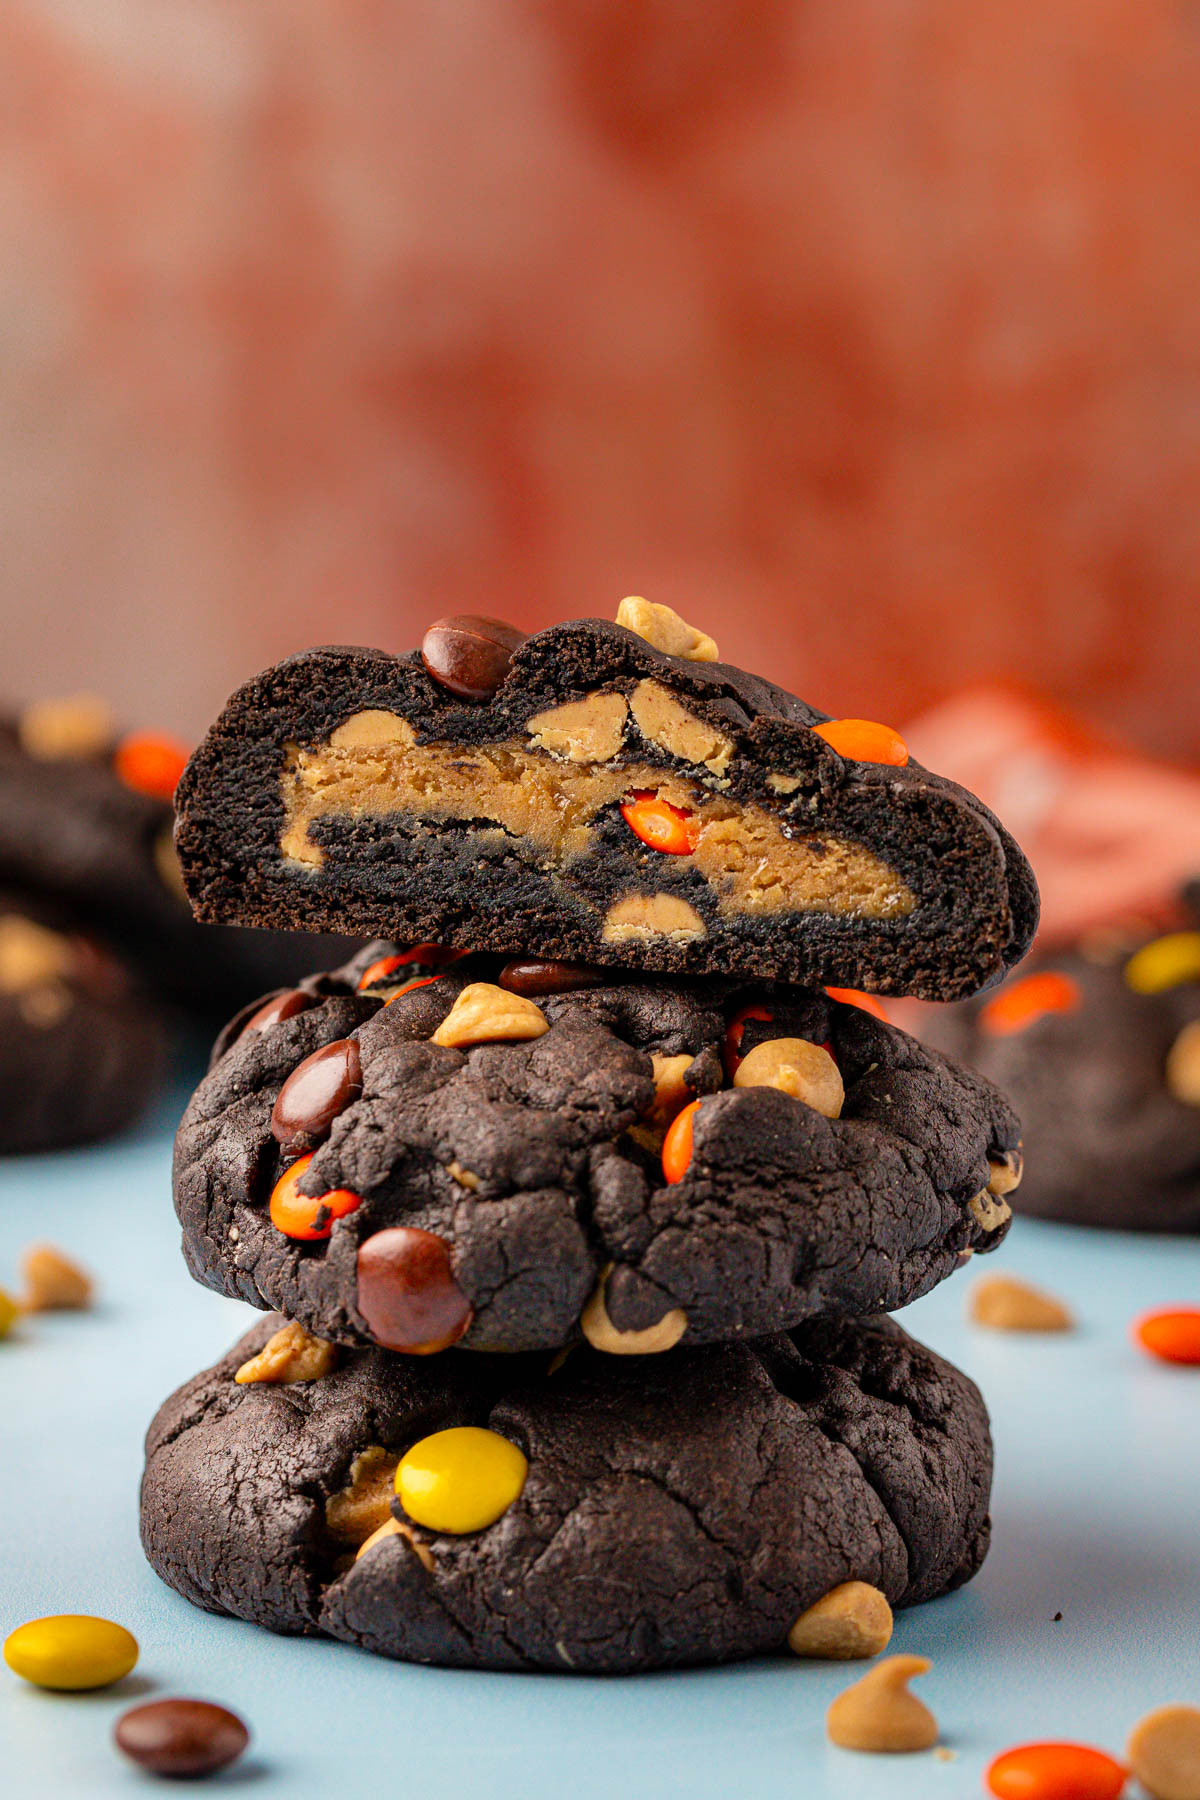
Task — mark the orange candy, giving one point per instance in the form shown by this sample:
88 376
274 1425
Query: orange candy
1026 1001
1055 1772
852 997
660 825
150 763
422 981
1172 1334
677 1145
308 1216
863 740
737 1031
430 954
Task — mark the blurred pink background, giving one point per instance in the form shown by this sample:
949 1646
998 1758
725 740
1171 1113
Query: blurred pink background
865 333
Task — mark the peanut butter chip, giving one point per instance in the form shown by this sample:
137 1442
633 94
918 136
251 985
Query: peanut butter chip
70 729
988 1212
293 1354
640 917
1006 1172
356 1513
485 1014
588 730
1002 1303
796 1067
852 1621
671 1092
53 1283
602 1334
879 1714
1183 1065
1164 1753
30 955
663 627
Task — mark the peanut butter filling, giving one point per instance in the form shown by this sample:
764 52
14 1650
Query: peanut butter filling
372 767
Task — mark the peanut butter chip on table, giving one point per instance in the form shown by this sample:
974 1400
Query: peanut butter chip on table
879 1714
293 1354
663 627
53 1283
851 1621
1003 1303
1164 1753
484 1013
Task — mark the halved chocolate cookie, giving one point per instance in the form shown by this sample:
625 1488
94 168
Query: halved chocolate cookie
418 1152
497 1512
585 794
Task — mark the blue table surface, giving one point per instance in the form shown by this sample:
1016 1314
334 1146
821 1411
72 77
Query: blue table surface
1095 1509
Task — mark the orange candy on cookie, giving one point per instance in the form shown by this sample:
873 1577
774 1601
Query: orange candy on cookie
430 955
1172 1334
1028 1000
865 1002
864 740
1055 1772
308 1217
677 1145
151 763
736 1031
661 826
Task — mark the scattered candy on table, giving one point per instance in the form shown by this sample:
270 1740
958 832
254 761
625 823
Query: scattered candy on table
1055 1772
1171 1333
879 1714
181 1737
71 1651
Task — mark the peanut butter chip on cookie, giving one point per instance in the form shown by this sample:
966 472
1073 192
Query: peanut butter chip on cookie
879 1714
663 627
1164 1753
293 1354
852 1621
602 1334
485 1014
53 1283
1003 1303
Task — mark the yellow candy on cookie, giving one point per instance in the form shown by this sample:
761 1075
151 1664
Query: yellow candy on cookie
462 1479
71 1651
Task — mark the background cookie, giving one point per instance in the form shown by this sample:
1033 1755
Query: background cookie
686 1511
504 1193
585 793
1099 1049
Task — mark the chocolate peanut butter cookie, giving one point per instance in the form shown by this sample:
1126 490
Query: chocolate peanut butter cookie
79 1053
86 822
596 792
419 1152
514 1513
1099 1048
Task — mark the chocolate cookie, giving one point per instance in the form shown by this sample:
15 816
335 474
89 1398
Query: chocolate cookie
590 1517
421 1153
86 822
1099 1048
584 794
79 1052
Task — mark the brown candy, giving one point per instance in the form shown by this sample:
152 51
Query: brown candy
531 978
470 655
407 1293
315 1092
275 1011
181 1737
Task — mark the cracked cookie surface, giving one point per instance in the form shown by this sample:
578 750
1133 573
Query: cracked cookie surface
684 1511
520 1185
346 788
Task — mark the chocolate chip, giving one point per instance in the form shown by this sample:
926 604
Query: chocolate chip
181 1737
282 1006
407 1293
315 1092
530 978
470 655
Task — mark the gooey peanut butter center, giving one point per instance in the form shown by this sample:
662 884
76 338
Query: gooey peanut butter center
550 790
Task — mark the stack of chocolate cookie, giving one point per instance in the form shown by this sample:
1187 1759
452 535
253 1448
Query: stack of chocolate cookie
584 1214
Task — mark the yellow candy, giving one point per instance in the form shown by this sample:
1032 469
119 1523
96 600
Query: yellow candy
1166 963
8 1313
460 1480
71 1650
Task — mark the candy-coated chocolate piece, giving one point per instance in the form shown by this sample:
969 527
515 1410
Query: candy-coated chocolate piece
1028 1000
736 1031
864 740
150 763
469 655
181 1737
864 1002
407 1293
1055 1772
315 1092
1164 963
427 956
282 1006
661 826
529 979
9 1313
409 987
460 1480
308 1217
71 1651
1172 1333
677 1145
